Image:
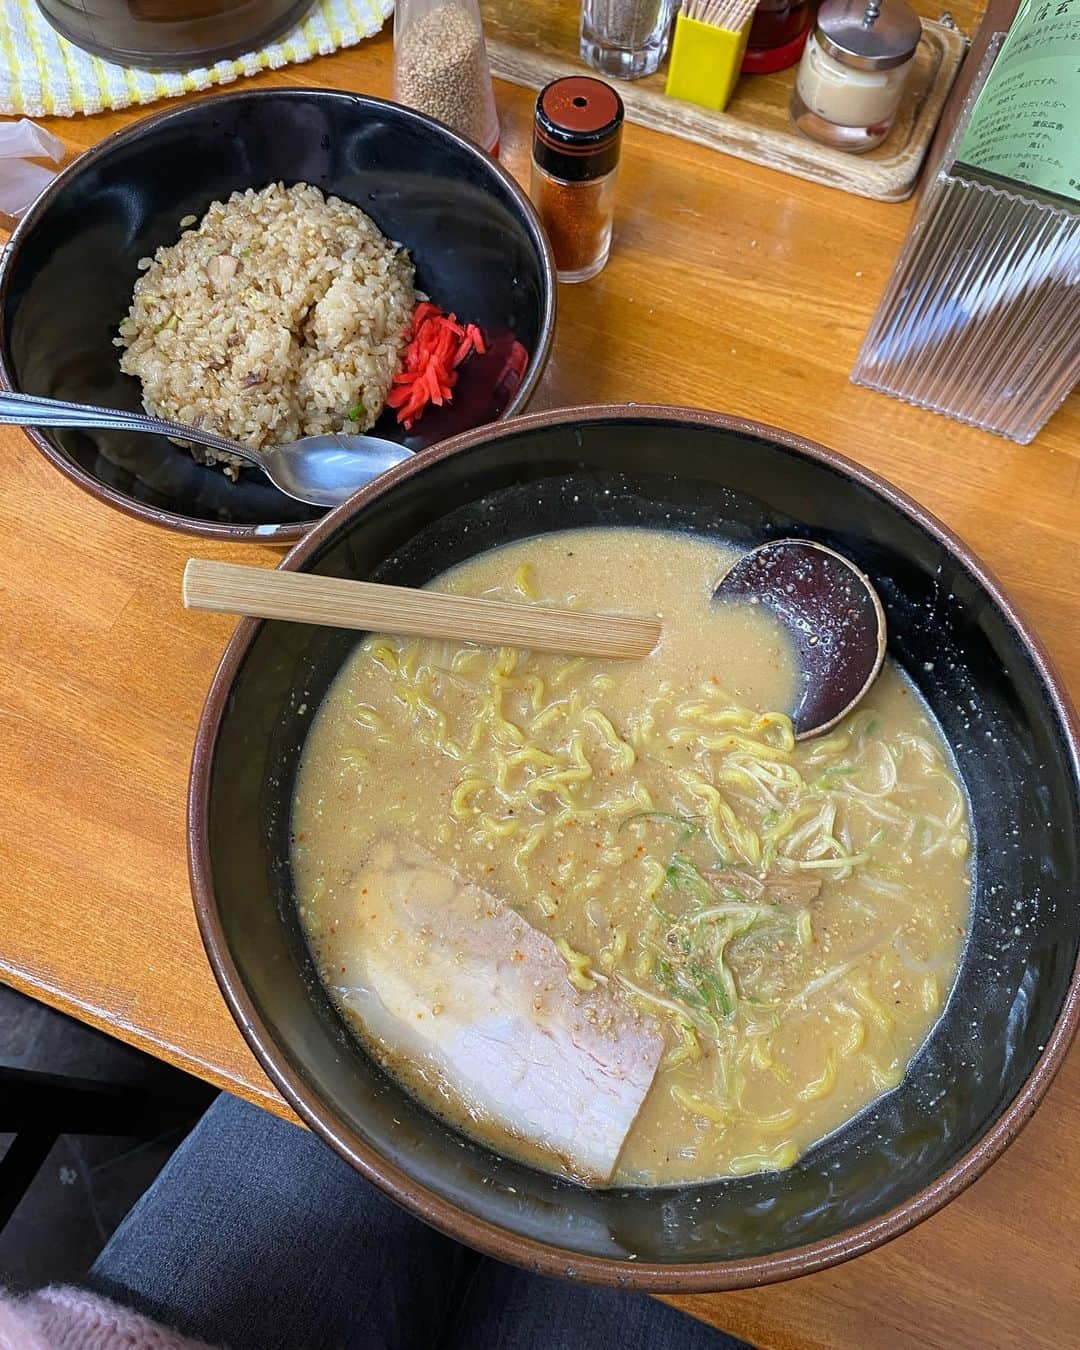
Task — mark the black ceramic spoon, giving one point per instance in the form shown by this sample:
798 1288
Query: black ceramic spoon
832 614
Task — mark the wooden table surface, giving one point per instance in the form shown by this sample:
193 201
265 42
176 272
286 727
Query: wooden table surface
731 287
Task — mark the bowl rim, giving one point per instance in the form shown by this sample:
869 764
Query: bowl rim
493 1240
286 532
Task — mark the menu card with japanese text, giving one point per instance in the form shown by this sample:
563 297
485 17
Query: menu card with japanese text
1025 125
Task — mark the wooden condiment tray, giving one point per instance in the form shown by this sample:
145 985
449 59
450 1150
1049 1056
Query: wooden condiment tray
532 41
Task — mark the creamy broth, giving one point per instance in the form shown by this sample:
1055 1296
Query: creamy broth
770 929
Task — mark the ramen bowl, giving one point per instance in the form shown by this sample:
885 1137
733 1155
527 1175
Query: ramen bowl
1014 1008
71 265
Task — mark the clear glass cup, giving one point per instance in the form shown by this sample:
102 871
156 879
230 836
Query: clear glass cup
626 38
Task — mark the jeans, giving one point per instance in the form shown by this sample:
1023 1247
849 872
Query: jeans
256 1236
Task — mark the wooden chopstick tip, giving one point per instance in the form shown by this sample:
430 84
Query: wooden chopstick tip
189 582
186 581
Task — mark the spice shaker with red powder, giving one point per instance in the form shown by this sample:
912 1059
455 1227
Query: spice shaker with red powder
577 132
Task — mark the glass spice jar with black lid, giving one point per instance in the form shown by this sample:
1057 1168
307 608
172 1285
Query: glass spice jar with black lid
577 134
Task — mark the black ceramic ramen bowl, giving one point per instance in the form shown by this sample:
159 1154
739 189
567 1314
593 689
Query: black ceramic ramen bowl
1016 1003
69 270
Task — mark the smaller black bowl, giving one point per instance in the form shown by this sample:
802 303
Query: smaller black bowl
69 271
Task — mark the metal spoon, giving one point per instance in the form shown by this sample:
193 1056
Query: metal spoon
322 470
832 614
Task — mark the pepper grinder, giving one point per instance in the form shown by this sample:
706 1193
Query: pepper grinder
853 71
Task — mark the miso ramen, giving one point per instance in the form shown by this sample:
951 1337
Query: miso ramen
609 916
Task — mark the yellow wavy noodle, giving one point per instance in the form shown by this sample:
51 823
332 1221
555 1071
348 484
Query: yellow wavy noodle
555 787
368 718
476 735
855 1039
772 774
506 662
776 833
567 670
712 717
530 755
624 756
732 742
776 1159
884 1078
536 690
460 797
491 828
501 725
778 1121
761 1058
841 865
872 1007
420 706
577 773
639 729
824 749
698 1107
779 724
577 966
686 1051
502 776
385 653
638 801
525 582
725 828
656 876
467 658
735 776
614 952
821 1086
409 660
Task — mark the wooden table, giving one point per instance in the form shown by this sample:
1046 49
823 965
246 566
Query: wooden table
731 287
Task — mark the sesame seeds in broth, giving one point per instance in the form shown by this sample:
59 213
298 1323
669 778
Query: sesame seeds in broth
788 916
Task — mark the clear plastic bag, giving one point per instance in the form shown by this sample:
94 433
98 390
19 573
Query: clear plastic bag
21 179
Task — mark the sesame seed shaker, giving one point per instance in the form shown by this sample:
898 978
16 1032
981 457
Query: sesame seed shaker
441 66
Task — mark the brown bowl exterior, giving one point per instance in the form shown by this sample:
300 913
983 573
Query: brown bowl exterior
752 478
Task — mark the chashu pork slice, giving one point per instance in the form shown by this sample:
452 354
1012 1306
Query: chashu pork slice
442 973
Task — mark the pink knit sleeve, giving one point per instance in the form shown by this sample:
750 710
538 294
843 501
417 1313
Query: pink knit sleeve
65 1318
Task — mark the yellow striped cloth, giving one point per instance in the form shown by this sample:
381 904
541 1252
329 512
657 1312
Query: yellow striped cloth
44 75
